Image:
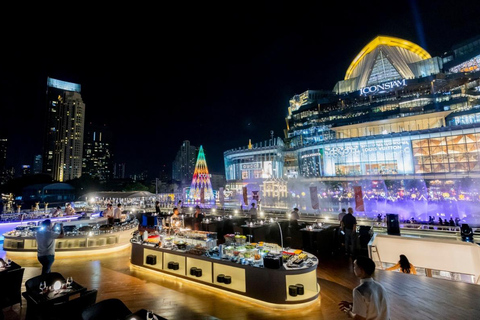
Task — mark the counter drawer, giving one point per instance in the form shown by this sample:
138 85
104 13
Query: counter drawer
205 266
237 276
153 259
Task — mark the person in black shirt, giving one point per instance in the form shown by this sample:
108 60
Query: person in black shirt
157 207
349 226
294 217
197 219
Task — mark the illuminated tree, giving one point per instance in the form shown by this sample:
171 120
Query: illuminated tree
201 180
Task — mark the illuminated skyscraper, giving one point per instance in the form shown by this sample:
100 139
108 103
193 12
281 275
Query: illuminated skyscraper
97 153
63 145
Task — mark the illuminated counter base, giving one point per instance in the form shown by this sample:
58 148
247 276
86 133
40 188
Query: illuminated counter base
71 245
261 285
429 253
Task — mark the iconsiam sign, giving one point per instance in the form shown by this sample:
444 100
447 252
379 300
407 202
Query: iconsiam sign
383 87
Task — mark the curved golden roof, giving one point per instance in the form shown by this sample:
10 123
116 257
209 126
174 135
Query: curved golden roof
386 41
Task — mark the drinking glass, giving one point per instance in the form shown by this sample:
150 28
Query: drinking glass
149 315
43 286
69 282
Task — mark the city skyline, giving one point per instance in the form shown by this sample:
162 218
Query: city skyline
225 79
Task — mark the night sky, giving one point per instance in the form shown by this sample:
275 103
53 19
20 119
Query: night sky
214 75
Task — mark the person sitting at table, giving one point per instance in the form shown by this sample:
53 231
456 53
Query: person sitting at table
197 218
404 265
46 244
57 212
69 210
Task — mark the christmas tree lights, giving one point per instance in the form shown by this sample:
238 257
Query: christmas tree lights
201 187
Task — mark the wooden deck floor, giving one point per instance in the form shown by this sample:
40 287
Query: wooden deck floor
410 296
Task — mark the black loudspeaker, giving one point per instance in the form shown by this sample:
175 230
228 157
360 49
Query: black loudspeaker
466 233
393 226
292 290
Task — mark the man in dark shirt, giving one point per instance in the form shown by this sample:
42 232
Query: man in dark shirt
197 219
294 217
45 237
349 226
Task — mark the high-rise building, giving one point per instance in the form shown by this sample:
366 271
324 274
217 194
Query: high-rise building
3 160
37 164
184 165
164 174
119 171
97 153
63 145
218 181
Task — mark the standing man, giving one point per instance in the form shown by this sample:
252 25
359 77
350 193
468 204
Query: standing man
341 215
197 218
370 297
175 219
294 216
340 233
252 213
349 226
117 213
46 244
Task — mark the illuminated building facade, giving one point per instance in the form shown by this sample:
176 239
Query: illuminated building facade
63 145
262 160
399 114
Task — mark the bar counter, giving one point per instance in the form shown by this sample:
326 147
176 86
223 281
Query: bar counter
94 241
261 285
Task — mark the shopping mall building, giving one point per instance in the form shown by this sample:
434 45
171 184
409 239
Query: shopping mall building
402 124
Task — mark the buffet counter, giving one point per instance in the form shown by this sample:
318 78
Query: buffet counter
84 240
287 285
